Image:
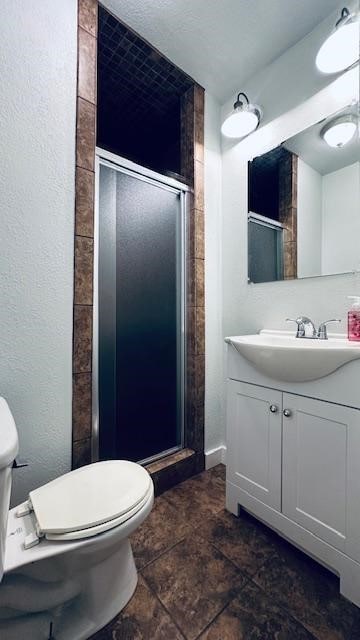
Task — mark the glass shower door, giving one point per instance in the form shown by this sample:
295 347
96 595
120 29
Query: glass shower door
140 311
265 250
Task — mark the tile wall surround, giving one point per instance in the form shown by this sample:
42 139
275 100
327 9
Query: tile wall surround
288 212
175 468
84 231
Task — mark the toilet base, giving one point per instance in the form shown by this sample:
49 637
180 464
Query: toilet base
91 598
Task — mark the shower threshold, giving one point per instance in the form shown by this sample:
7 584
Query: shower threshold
159 456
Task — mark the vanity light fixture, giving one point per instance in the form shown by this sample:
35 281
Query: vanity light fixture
341 49
338 132
243 120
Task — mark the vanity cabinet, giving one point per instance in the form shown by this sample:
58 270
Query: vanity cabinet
321 469
299 457
254 441
293 444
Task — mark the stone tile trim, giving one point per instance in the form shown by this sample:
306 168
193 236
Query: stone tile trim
192 149
84 270
87 16
184 464
81 406
84 203
288 212
158 465
84 231
87 66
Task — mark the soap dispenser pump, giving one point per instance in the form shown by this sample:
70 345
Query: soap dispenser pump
354 319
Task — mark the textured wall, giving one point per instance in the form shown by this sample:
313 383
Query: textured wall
37 134
282 87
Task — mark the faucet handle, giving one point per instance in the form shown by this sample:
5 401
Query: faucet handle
300 332
322 331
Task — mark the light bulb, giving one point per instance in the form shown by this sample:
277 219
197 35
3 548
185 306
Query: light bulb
240 124
339 134
340 50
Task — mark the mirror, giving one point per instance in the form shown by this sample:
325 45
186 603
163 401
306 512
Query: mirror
304 203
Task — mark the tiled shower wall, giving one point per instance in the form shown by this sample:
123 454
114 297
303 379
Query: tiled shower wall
84 231
191 460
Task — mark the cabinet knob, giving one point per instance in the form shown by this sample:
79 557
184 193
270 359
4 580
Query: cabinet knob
287 413
273 408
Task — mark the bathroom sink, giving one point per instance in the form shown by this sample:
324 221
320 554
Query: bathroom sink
279 355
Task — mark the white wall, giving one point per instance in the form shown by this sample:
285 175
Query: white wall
214 434
292 78
341 220
309 220
37 137
249 308
328 220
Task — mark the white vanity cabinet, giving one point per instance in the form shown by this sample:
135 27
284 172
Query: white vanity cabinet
321 469
254 430
294 462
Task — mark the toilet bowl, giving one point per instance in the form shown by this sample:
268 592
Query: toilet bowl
66 562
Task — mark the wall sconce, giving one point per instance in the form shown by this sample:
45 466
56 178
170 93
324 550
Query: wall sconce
244 119
341 49
339 131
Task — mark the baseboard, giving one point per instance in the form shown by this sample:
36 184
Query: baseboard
215 456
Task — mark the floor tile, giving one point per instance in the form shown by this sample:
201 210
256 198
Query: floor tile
160 531
196 562
243 540
254 616
194 581
218 472
310 592
199 497
142 619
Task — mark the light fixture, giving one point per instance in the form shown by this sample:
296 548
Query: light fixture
244 119
338 132
341 49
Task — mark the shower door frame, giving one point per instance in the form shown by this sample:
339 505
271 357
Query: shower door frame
127 167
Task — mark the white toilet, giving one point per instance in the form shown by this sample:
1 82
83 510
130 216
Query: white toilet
66 562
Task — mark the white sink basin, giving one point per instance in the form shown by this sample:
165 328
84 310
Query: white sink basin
279 355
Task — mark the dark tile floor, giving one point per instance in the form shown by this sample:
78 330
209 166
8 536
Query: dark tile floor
206 574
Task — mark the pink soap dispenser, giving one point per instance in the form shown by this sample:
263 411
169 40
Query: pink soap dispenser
354 319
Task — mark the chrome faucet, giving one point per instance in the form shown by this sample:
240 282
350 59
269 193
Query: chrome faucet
322 331
305 327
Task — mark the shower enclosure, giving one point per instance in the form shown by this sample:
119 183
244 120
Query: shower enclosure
139 314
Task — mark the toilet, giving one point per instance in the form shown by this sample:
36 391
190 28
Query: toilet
66 564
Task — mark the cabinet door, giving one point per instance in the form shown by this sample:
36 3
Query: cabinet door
321 453
254 441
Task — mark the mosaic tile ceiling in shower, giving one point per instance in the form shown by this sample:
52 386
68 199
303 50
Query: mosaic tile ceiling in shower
138 89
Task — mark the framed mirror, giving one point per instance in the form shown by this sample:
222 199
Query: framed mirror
304 203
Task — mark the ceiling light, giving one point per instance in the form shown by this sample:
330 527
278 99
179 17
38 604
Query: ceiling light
339 131
341 49
244 119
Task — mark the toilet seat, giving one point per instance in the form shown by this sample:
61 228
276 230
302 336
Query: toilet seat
87 501
100 528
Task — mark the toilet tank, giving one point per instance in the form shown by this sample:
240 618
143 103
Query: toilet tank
9 445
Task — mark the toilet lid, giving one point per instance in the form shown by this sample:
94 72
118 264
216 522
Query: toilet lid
90 496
